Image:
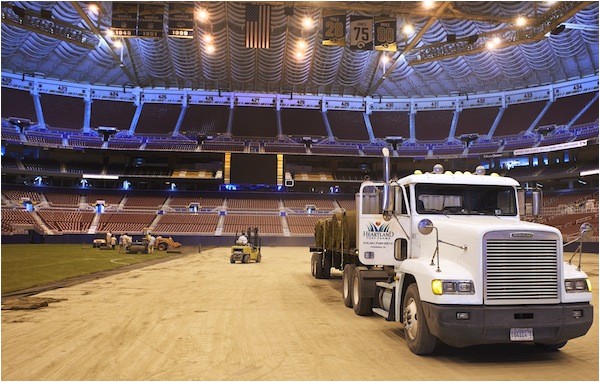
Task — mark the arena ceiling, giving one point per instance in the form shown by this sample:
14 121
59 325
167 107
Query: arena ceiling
425 64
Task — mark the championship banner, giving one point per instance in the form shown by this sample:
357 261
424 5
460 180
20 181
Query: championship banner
385 34
124 19
334 28
150 20
361 32
181 20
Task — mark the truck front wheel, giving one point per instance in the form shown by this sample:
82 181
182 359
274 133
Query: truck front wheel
347 278
362 305
418 337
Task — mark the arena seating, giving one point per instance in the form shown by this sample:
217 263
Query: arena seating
255 203
10 134
12 218
91 140
348 125
433 125
125 143
121 222
44 138
8 162
109 199
83 167
224 145
254 122
144 202
116 114
374 149
484 146
56 199
518 118
284 147
335 148
267 224
301 203
303 123
516 142
564 109
590 115
17 103
173 223
556 138
171 144
347 204
448 148
67 221
41 165
17 195
157 118
205 119
390 124
302 224
54 107
413 150
476 120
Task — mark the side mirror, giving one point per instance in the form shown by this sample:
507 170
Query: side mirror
425 226
586 230
536 203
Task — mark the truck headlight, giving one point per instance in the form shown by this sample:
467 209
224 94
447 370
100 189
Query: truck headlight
440 287
578 285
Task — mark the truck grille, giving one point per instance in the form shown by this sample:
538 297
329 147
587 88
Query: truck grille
521 271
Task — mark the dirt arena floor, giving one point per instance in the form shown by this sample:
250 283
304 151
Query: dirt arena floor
198 317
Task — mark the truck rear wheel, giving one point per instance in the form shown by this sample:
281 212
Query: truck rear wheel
231 259
362 305
418 337
326 265
162 247
258 257
318 265
347 278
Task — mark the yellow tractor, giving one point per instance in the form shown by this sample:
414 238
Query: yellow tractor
247 247
166 243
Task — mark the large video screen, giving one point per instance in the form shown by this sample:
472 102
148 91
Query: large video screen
253 169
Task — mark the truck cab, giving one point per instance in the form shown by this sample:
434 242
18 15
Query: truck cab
447 255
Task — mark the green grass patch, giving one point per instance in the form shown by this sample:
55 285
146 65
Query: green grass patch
28 265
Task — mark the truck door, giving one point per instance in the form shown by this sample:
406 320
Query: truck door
382 240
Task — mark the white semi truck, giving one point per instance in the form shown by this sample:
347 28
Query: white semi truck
447 255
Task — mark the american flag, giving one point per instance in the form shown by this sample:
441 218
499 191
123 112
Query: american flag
258 26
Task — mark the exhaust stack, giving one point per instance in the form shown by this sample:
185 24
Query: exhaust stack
387 210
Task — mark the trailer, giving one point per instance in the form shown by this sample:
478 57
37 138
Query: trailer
446 255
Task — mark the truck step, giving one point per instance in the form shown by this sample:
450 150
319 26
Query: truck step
380 312
385 285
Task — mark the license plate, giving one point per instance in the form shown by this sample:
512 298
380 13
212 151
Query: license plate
521 334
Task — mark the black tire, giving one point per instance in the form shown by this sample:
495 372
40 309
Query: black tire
318 265
347 279
416 332
552 347
362 306
162 247
246 259
258 257
326 265
231 259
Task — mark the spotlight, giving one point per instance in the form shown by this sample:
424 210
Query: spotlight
558 30
520 21
210 49
428 4
94 8
307 23
302 44
202 15
408 29
207 38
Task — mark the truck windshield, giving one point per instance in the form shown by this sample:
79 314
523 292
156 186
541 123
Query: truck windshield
461 199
